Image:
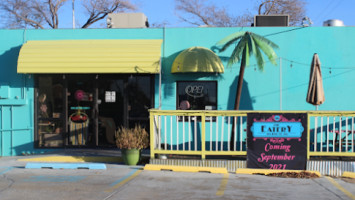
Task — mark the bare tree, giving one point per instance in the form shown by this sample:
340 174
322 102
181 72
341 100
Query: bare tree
34 13
200 14
294 8
98 9
44 13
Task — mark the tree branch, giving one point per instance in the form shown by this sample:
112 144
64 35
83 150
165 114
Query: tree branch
27 20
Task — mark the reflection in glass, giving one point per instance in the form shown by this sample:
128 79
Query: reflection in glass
50 111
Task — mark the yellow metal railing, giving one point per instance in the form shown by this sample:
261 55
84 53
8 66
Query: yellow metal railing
223 133
331 133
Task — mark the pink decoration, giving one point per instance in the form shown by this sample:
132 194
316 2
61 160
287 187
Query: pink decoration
79 95
185 105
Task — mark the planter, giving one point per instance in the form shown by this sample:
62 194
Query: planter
131 156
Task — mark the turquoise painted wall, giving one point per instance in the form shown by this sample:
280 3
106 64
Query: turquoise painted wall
16 90
261 90
268 89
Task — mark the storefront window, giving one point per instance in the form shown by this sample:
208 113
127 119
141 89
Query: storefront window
196 95
139 93
86 110
50 111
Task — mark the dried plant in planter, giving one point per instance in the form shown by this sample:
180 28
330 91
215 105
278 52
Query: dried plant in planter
132 138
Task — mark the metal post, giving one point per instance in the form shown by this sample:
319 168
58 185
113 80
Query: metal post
160 69
73 14
203 136
1 130
12 127
160 84
280 83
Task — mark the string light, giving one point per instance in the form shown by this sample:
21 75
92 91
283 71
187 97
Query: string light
309 64
303 64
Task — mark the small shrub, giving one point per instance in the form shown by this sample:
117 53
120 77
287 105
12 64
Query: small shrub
132 138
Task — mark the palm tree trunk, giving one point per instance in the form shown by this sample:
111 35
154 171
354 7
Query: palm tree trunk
237 99
240 86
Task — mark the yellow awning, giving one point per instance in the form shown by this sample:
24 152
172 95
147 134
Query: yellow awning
90 56
197 59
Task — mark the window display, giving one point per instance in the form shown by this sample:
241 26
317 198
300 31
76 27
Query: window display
50 111
196 95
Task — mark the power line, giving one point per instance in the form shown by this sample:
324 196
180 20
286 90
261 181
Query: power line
335 6
324 10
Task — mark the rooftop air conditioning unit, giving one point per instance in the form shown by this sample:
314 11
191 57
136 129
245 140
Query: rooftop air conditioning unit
333 22
271 20
127 20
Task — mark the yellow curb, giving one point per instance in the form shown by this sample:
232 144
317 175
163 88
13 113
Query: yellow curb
73 159
348 175
341 188
215 170
269 171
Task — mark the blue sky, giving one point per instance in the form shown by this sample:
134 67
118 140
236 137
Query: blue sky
159 11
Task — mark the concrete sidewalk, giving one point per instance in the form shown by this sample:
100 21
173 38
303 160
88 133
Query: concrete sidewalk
79 155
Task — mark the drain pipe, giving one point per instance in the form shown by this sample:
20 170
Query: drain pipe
280 83
160 70
160 83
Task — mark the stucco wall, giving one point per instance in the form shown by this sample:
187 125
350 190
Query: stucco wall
17 110
261 91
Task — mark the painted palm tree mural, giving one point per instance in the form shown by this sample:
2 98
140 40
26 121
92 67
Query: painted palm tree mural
248 44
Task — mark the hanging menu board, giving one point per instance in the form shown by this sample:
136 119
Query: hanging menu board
277 141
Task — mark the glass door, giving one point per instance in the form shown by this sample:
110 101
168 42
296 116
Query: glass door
111 108
140 99
122 101
81 110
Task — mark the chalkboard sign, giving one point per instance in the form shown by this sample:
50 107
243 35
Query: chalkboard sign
277 140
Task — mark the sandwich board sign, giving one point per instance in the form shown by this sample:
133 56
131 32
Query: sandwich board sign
277 140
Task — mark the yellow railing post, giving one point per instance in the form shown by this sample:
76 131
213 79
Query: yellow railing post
152 135
203 136
308 136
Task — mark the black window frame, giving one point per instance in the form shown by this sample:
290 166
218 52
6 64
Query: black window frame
197 81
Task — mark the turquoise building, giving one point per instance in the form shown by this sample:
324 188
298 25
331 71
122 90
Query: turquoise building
72 88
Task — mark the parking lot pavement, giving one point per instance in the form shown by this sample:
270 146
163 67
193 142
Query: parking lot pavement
125 182
178 185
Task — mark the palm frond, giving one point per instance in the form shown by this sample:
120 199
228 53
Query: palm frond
236 54
264 40
259 59
225 46
231 37
246 55
267 49
234 58
251 43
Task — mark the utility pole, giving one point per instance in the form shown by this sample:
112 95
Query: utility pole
73 14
